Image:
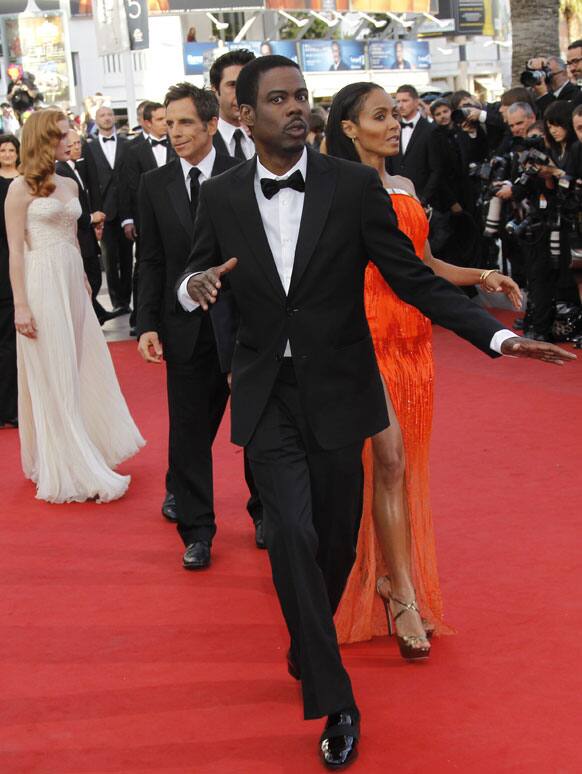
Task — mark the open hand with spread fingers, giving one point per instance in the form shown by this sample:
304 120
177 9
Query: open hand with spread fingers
203 287
519 346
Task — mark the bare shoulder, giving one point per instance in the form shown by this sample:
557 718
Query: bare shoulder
19 192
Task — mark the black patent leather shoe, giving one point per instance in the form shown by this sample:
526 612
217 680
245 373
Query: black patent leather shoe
339 741
169 508
260 534
293 666
197 555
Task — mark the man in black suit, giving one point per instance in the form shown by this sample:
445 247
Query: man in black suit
107 150
306 389
231 139
91 219
574 63
337 63
153 152
417 159
197 387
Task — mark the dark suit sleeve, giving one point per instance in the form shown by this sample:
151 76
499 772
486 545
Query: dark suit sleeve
206 253
128 185
434 161
412 280
152 267
95 200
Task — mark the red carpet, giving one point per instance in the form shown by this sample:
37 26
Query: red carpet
114 659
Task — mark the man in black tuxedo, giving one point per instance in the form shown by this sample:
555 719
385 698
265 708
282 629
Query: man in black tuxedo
91 219
197 387
107 150
306 389
417 159
231 139
337 63
153 152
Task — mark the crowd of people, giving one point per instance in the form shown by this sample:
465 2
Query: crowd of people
292 261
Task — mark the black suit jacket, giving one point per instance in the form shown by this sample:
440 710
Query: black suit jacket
138 160
420 163
85 233
165 243
108 178
347 220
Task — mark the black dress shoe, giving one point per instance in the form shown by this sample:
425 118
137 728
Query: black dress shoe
260 534
169 508
197 555
106 316
339 741
118 311
292 666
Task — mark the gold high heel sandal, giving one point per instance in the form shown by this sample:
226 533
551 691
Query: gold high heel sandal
412 647
428 627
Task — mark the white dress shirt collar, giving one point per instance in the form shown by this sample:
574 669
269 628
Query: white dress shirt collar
559 90
205 166
227 132
301 166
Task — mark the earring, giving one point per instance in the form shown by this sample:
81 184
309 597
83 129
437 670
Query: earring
354 139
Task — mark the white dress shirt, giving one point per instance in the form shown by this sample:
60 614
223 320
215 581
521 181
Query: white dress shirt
108 148
205 167
160 152
71 163
406 131
281 218
227 132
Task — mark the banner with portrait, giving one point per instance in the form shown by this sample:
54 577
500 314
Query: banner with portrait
286 48
319 56
398 55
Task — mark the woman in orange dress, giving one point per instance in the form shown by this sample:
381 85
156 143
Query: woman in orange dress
396 558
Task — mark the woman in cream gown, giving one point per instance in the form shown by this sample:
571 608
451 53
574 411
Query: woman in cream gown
74 424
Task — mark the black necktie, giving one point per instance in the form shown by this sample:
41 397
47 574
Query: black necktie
109 139
163 142
238 149
271 187
406 125
194 175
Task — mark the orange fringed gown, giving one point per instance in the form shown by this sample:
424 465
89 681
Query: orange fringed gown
403 344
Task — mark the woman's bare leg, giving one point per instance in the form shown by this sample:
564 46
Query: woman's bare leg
392 522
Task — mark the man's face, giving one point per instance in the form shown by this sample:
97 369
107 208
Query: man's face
105 119
442 116
575 62
407 104
519 123
75 145
559 76
399 53
336 54
577 121
280 121
227 94
156 126
191 138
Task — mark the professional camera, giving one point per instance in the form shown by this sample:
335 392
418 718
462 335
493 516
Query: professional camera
460 115
535 75
491 174
523 229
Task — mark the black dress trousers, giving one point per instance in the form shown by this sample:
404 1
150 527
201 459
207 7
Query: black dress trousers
312 502
118 259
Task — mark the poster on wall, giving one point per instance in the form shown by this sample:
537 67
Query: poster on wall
399 55
137 24
332 55
286 48
196 55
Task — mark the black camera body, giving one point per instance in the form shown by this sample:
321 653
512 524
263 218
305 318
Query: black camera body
460 115
535 76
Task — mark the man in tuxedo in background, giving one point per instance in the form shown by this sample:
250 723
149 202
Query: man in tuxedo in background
231 139
197 387
140 133
107 150
306 390
90 222
153 152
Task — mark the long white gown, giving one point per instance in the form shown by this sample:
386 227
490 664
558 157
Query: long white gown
73 420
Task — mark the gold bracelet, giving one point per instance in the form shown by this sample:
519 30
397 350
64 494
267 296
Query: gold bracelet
485 274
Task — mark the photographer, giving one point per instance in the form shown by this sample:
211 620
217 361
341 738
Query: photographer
549 81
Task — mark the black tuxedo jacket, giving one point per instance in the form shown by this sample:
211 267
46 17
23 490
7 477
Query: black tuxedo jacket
138 160
85 233
108 178
165 244
420 163
347 220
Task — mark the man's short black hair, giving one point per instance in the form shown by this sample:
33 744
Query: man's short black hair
247 85
149 109
240 56
204 100
437 103
575 44
408 89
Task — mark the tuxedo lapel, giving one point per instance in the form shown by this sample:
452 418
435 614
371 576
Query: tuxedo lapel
417 132
176 189
319 187
99 155
118 151
246 210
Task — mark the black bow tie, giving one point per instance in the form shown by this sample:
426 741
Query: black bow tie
163 142
271 187
109 139
406 125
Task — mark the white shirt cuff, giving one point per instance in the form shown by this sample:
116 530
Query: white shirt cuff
128 222
483 116
499 338
188 305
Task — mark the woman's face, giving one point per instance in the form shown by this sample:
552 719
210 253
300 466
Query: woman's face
558 133
378 128
8 155
63 149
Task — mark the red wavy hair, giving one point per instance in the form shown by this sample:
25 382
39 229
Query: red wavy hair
38 142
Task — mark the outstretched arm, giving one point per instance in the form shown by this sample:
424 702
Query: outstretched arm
16 207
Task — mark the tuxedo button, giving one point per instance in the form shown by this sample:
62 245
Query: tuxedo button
290 312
